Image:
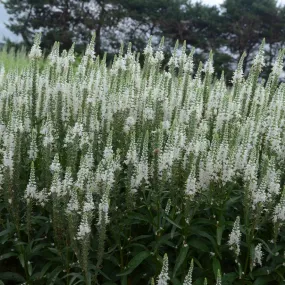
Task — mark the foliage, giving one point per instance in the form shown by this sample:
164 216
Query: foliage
137 175
235 27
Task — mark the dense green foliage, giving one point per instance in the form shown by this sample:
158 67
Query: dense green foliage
135 175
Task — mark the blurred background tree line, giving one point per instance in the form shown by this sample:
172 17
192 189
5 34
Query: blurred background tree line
229 30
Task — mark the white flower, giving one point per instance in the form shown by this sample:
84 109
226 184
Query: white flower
163 276
42 197
148 51
148 113
8 160
36 51
174 60
67 182
132 156
168 206
208 67
31 190
104 209
159 56
235 237
259 195
56 185
84 228
55 166
219 278
259 59
73 205
33 151
166 125
90 48
238 76
277 67
191 185
88 204
188 278
279 211
130 122
258 254
189 64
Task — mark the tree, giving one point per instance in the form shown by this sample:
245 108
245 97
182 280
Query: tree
65 21
247 22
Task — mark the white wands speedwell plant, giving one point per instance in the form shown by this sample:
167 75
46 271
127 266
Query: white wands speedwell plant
106 168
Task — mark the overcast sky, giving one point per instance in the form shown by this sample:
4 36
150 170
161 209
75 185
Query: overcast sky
4 32
217 2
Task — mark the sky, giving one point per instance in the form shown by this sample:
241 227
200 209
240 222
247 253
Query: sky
4 32
217 2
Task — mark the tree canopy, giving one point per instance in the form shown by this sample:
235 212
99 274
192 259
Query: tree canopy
235 27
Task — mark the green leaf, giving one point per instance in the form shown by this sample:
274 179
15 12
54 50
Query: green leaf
220 230
231 202
202 221
74 278
172 222
53 275
216 266
11 276
7 255
175 281
22 261
135 262
197 243
264 280
140 217
54 250
36 249
1 283
30 269
5 232
229 278
124 280
181 257
199 281
261 271
45 269
141 237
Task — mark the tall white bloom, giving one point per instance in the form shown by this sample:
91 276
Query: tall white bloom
90 48
279 210
31 190
277 67
258 254
191 187
130 122
36 51
88 206
259 60
188 278
73 205
55 166
219 278
132 156
208 67
33 151
163 276
84 228
148 51
8 160
104 209
67 182
235 237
